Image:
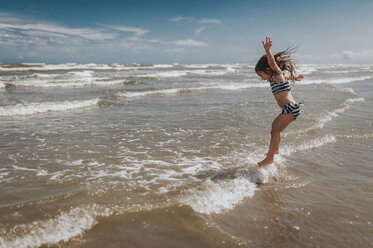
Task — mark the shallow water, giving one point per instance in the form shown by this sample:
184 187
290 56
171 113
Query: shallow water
164 156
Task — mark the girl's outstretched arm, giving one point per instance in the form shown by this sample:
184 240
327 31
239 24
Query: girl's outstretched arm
271 60
296 78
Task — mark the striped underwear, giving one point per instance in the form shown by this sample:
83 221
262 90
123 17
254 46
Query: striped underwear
293 107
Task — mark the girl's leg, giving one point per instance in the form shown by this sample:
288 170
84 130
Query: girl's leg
279 124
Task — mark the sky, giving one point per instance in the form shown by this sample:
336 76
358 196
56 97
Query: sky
189 31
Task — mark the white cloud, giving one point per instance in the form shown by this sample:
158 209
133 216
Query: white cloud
190 19
6 18
32 39
181 18
210 21
86 33
362 56
189 42
345 56
175 50
137 31
199 31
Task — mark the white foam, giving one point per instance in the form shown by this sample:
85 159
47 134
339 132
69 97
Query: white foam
80 73
162 66
216 197
286 150
222 195
61 228
330 115
2 85
165 74
344 90
34 108
148 93
335 80
327 116
181 73
55 67
268 172
68 83
33 64
200 66
304 69
358 136
238 86
42 76
42 173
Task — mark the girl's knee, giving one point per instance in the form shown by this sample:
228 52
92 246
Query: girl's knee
275 132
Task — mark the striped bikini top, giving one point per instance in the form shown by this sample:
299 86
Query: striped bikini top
279 86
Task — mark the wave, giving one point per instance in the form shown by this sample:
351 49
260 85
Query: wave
181 73
55 67
335 81
66 224
340 89
42 76
165 74
75 66
162 66
174 91
67 84
327 116
330 115
357 136
35 108
85 73
215 197
305 70
61 228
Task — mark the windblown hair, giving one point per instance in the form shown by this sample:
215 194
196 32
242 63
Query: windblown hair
283 60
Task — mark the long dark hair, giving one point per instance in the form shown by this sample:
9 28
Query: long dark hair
283 60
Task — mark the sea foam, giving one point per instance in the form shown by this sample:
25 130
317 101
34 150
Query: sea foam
173 91
63 227
34 108
215 197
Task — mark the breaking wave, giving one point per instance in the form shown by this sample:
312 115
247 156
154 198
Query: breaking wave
34 108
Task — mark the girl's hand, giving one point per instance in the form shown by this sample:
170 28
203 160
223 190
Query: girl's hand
267 45
299 77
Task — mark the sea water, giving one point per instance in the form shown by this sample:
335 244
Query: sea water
131 155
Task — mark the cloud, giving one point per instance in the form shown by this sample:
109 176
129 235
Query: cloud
189 42
137 31
34 40
85 33
137 39
175 50
7 18
204 21
182 18
341 57
199 30
362 56
190 19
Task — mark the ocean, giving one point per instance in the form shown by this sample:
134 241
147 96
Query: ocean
164 155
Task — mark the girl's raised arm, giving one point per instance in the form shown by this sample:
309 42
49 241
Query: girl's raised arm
271 60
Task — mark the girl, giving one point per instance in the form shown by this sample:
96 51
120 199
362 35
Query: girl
270 67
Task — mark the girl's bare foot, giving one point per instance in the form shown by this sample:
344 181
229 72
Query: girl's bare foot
265 162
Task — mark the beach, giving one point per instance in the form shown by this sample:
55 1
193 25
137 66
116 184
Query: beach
164 155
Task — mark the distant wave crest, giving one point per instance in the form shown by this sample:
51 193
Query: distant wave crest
34 108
